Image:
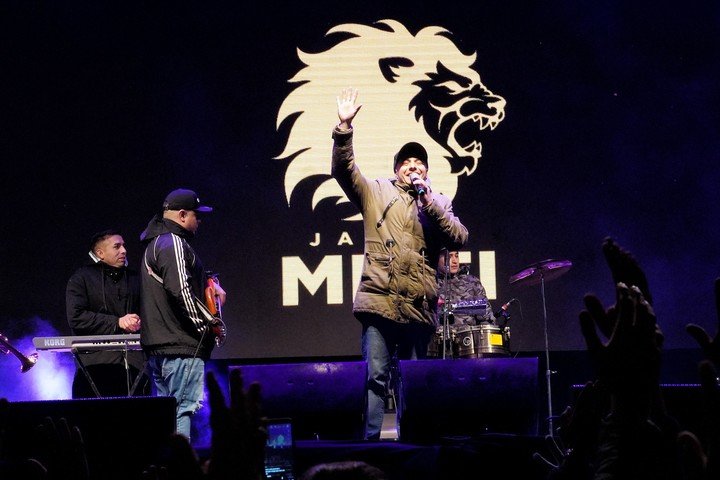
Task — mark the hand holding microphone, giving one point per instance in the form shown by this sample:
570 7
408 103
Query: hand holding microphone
418 183
421 187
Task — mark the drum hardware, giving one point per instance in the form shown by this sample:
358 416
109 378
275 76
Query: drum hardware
445 334
539 273
448 338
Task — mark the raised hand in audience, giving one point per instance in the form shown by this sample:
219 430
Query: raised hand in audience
177 461
625 268
701 458
572 450
629 362
637 439
62 455
238 431
710 346
703 463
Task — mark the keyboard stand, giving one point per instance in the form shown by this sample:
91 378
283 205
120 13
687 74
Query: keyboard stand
84 370
136 383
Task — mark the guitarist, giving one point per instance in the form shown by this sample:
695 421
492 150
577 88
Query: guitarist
177 333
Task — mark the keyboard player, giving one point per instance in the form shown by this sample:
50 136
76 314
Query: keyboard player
102 298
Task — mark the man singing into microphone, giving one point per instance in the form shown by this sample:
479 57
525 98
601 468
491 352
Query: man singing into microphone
406 225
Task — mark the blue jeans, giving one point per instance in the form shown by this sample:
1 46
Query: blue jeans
381 339
184 379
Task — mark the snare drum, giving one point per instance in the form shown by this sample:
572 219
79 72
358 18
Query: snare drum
435 348
475 341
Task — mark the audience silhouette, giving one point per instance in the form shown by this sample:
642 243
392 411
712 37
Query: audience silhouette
618 427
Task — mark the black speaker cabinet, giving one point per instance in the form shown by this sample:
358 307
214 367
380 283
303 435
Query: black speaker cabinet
467 397
121 435
324 400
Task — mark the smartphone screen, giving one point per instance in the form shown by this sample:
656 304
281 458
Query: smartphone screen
279 462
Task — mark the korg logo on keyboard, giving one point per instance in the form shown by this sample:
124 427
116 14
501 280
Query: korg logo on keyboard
54 342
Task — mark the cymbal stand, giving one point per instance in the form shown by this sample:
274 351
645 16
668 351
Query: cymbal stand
548 372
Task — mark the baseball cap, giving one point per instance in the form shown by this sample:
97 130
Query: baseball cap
411 149
182 199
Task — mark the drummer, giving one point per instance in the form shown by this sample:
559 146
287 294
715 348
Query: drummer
461 286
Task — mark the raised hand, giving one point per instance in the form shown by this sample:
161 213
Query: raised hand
63 450
571 450
578 424
629 362
347 109
625 268
179 461
238 432
704 463
710 346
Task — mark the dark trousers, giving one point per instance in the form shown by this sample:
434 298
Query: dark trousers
111 380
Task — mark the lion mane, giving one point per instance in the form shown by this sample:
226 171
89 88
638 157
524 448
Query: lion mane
413 88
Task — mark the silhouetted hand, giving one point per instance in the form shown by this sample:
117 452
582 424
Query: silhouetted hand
563 463
692 457
625 268
572 449
63 451
238 432
711 394
177 461
704 463
629 362
710 346
578 425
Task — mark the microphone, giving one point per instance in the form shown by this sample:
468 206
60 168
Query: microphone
414 178
503 310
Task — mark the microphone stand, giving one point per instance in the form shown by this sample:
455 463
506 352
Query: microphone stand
446 319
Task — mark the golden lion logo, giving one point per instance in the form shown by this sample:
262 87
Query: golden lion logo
413 88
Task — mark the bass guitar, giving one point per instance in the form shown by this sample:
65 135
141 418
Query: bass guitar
212 301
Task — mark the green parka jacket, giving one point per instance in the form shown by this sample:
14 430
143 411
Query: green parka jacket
402 241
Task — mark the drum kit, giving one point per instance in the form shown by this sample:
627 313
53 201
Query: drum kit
489 340
471 341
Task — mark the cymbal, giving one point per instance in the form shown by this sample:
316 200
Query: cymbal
545 270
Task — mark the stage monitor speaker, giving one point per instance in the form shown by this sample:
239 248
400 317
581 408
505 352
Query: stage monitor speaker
467 397
121 435
324 400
